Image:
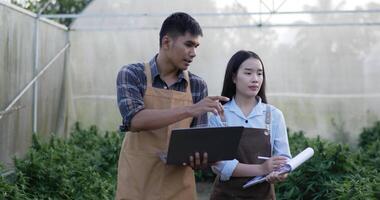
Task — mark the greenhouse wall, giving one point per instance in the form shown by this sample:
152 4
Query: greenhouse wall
17 70
324 78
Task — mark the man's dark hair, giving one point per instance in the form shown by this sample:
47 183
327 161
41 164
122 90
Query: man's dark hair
178 24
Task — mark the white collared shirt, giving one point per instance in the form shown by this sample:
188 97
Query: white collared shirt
256 119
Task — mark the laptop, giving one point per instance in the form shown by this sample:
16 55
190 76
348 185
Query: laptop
221 143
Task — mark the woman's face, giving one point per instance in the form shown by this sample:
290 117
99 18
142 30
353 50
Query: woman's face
249 78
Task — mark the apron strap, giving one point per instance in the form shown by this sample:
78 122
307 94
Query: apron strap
148 74
186 75
268 118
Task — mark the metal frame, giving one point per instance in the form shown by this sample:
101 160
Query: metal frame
36 65
271 9
37 74
34 82
110 15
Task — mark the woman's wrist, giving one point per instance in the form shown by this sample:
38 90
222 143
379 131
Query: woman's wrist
263 169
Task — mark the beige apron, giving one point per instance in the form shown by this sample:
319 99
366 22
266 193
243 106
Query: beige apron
141 173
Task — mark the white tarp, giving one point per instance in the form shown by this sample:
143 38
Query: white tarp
324 78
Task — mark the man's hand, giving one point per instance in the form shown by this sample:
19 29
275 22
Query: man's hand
146 119
198 162
208 104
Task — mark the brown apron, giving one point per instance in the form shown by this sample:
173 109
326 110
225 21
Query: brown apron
141 173
254 142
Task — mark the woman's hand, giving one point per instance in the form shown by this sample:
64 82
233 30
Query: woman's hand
273 163
274 177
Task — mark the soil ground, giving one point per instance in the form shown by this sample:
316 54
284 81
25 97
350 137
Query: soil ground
204 190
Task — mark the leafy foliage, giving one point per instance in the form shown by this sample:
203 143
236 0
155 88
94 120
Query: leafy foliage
334 172
363 185
56 7
369 135
204 175
330 162
82 167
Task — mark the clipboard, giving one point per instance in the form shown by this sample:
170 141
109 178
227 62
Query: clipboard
221 143
290 166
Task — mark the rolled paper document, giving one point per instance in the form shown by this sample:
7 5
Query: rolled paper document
301 158
295 162
291 165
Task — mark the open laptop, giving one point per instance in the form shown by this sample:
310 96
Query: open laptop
221 143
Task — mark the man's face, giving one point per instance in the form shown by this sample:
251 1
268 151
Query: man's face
181 50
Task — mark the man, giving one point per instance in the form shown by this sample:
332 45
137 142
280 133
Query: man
153 99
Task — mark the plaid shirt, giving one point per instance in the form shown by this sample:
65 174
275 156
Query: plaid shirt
131 86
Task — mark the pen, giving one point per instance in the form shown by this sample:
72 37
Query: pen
263 157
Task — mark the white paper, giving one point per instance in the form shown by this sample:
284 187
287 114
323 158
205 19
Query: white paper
291 165
254 181
301 158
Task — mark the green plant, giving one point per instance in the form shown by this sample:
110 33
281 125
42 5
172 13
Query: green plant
204 175
55 7
82 167
365 184
310 181
369 143
369 135
334 172
85 167
9 190
370 156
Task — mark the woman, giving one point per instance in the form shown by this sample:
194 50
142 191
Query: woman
244 84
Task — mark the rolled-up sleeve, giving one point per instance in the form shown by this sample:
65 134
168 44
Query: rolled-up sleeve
130 91
225 169
280 134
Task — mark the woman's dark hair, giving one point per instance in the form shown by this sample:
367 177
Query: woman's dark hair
229 87
178 24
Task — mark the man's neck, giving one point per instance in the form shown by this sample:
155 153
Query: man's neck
168 72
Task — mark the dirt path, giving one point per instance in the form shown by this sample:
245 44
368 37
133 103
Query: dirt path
203 190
